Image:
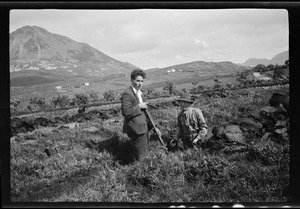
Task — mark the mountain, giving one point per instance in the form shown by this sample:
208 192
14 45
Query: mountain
34 49
277 59
280 58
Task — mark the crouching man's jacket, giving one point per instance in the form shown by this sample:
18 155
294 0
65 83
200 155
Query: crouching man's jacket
190 122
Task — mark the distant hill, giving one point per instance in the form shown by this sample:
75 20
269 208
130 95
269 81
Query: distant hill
35 49
201 67
188 73
277 59
280 58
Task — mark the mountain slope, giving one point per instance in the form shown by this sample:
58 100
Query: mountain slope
280 58
277 59
34 48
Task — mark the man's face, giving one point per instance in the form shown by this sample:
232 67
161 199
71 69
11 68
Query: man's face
137 83
184 104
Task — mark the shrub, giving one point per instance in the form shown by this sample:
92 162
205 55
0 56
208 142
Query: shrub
94 97
287 63
61 101
31 108
109 95
156 94
148 92
229 85
260 68
278 72
217 86
177 92
38 102
80 98
242 76
170 87
14 102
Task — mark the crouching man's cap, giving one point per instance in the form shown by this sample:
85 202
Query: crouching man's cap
186 98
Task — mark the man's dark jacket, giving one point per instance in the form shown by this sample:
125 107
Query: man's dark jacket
135 120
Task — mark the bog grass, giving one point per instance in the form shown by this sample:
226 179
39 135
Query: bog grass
84 166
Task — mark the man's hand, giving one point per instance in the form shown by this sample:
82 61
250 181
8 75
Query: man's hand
201 135
158 132
196 140
143 105
203 132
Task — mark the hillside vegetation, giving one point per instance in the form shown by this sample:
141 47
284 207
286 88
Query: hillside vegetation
72 149
89 161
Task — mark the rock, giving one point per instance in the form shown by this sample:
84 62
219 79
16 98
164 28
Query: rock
81 117
249 124
44 130
30 138
69 125
280 124
18 125
235 134
280 98
94 112
268 109
218 132
27 120
236 137
41 122
232 129
31 142
90 129
82 109
281 130
232 133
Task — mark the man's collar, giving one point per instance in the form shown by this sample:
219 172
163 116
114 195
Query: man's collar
134 89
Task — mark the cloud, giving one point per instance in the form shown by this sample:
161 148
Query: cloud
197 41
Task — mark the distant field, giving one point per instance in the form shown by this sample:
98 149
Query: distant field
117 83
187 82
31 80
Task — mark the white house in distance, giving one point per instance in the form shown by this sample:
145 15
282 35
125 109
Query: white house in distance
171 71
58 87
86 83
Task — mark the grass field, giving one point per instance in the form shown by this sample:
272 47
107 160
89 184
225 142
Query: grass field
91 162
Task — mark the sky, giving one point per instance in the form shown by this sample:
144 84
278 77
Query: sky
157 38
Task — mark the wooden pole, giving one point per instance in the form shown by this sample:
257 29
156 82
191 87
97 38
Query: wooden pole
154 127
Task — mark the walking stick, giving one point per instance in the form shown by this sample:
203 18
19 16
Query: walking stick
153 125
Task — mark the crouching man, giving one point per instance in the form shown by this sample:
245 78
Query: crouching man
191 123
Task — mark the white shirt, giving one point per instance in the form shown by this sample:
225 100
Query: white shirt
138 93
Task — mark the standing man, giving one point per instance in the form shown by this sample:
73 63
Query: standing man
191 123
136 124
